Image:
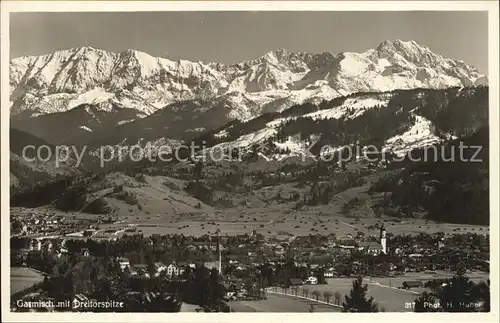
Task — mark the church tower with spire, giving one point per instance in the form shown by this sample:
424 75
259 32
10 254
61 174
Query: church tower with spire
383 239
218 251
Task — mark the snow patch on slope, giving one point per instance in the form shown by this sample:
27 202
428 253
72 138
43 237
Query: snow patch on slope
421 134
124 121
94 96
351 108
295 147
85 128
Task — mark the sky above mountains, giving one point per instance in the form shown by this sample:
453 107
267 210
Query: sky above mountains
230 37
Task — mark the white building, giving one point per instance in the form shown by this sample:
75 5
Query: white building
312 280
124 263
172 270
330 274
36 244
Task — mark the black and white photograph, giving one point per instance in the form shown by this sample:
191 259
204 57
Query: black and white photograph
260 160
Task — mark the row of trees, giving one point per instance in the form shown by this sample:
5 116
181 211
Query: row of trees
327 295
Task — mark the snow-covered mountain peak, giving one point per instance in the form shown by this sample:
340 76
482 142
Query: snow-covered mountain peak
410 50
85 49
386 47
279 53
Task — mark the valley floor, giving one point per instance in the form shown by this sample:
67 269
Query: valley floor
269 221
272 220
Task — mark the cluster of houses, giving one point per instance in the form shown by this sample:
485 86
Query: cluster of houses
36 223
26 223
245 253
171 270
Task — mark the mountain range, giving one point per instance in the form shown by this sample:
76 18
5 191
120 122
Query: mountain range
64 80
80 94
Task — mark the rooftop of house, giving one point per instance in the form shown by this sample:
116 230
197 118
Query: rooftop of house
370 245
140 266
348 242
